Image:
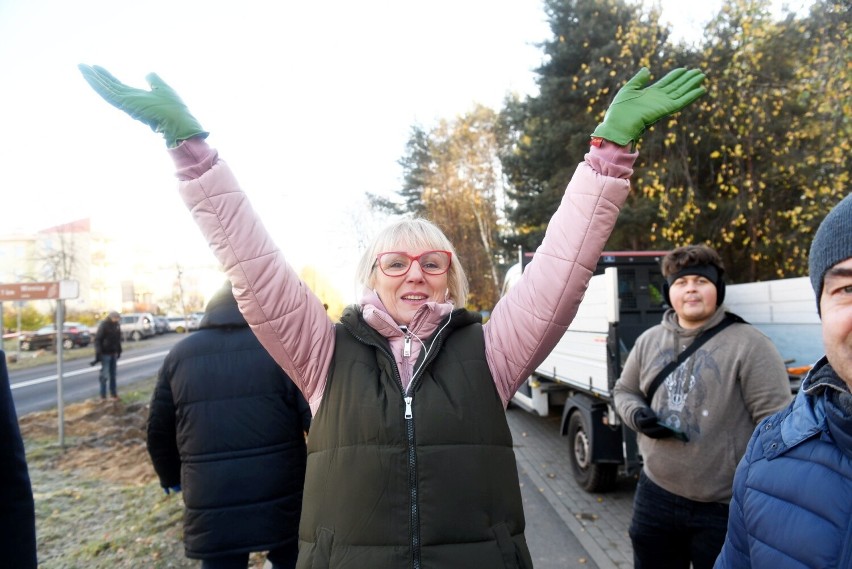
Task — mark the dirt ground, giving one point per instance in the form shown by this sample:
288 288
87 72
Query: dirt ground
108 439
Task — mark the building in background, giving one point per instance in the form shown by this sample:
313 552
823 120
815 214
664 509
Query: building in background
113 274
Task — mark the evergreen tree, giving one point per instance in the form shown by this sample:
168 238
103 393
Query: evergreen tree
762 187
750 169
597 46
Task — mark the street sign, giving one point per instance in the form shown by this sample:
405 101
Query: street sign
39 291
59 290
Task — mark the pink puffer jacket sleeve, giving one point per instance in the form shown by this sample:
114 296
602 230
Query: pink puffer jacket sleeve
284 314
527 323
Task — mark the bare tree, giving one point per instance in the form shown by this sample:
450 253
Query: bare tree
453 177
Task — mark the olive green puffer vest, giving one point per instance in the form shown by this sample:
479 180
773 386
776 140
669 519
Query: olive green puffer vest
428 482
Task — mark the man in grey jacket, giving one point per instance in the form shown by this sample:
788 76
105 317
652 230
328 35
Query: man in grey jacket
694 427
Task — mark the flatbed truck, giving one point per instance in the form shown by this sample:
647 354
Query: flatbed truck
624 298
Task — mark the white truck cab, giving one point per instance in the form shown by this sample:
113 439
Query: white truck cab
624 298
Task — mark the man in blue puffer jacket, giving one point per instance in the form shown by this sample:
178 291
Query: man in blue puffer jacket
792 503
227 426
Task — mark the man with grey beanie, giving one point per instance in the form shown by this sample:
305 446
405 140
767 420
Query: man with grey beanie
792 504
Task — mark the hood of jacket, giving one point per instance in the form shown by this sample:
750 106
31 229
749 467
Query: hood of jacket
821 406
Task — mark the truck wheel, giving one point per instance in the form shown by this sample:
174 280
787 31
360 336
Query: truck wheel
135 336
67 343
590 476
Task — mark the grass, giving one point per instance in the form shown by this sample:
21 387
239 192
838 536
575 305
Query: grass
86 516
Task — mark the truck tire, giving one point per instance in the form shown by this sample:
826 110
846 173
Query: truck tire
592 477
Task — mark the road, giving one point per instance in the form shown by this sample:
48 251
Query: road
35 389
566 526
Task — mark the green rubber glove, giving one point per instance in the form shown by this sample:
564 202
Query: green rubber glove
636 107
160 108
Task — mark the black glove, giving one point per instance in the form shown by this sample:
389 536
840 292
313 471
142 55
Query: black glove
648 424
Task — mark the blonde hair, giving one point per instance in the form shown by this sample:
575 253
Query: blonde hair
410 235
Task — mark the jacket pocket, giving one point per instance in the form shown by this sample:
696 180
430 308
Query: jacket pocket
322 549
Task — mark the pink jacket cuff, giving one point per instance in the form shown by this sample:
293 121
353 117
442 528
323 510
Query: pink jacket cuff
611 160
192 158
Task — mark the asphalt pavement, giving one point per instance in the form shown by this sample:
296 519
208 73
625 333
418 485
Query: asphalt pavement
567 527
35 388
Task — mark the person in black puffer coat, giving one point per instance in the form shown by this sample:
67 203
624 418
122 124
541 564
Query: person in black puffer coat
228 427
17 508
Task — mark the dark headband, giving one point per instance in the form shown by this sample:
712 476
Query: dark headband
711 272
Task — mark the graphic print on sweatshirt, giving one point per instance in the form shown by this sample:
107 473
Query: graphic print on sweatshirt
685 390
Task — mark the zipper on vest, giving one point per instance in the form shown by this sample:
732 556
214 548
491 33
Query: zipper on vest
406 346
414 514
408 397
413 491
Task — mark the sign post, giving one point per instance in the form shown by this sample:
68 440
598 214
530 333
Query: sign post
60 353
59 291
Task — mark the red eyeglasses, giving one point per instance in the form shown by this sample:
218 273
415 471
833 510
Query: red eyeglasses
398 263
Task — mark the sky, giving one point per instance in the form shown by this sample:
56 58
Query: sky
310 103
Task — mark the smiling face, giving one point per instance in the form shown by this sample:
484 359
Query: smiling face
836 310
403 295
693 298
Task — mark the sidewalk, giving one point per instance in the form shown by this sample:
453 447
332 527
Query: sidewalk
598 521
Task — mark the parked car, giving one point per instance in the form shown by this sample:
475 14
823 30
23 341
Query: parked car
181 324
137 326
74 335
161 325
